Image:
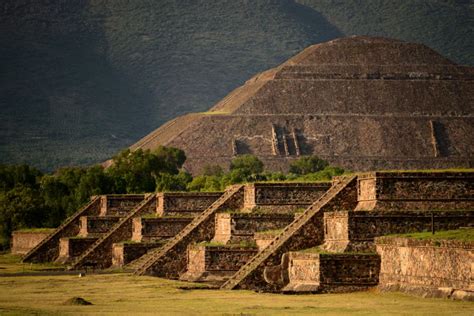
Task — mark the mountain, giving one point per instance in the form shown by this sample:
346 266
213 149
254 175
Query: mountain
82 79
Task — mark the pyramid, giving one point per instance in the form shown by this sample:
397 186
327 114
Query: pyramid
362 103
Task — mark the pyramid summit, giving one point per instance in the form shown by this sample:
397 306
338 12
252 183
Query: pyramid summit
362 103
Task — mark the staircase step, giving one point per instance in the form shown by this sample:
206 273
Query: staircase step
172 256
279 241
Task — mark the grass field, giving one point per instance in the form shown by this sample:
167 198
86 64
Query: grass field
126 294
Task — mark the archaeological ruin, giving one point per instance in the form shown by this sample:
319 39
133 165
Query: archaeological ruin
362 103
283 237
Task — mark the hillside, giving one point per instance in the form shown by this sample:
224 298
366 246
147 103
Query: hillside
81 80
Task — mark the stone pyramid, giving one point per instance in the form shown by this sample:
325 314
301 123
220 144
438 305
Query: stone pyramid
362 103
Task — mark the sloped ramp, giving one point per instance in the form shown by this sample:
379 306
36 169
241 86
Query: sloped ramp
170 260
48 249
100 253
304 232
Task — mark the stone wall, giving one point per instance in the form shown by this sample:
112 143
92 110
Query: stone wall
281 197
119 204
425 267
24 241
416 191
184 203
173 262
101 255
152 229
206 260
356 230
235 227
69 248
315 272
96 225
310 234
48 250
264 239
124 253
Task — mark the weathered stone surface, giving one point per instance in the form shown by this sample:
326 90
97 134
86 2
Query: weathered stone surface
70 248
315 272
124 253
48 249
282 197
415 191
206 263
96 225
119 204
171 260
355 230
362 103
236 227
264 239
24 241
305 232
155 229
425 267
184 203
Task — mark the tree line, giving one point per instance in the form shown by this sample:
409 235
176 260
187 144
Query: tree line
29 198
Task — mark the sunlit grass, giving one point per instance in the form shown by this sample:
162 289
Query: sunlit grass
127 294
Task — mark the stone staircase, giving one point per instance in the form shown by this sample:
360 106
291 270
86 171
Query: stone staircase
48 249
169 260
277 246
99 254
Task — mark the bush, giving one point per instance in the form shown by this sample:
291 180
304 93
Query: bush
308 164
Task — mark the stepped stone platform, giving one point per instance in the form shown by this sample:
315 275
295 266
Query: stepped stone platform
362 103
24 241
281 197
238 227
124 253
72 247
155 229
119 204
330 273
430 268
184 203
214 264
96 225
344 223
237 242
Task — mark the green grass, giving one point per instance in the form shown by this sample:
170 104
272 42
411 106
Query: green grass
36 230
11 264
113 294
465 234
271 232
429 170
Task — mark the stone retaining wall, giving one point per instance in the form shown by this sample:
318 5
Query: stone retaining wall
93 225
355 231
204 261
119 204
184 203
236 227
152 229
24 241
282 196
315 272
124 253
426 267
415 190
69 248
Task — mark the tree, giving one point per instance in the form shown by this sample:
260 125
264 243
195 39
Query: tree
141 170
20 207
248 163
307 164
